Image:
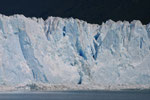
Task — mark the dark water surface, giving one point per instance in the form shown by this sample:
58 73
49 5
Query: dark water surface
79 95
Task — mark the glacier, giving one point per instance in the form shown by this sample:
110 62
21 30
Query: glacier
71 51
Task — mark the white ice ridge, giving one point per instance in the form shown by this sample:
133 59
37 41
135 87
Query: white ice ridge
71 51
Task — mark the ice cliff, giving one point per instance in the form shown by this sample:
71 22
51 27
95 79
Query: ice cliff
72 51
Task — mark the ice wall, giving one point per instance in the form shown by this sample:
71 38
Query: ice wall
72 51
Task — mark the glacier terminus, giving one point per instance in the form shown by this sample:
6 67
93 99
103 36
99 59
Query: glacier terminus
61 51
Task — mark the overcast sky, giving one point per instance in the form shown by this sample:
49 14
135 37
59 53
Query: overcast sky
93 11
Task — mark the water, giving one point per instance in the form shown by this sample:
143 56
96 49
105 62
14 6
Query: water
79 95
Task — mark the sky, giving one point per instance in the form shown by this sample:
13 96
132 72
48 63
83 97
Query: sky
92 11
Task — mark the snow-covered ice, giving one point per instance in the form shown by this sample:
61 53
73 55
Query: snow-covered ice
72 51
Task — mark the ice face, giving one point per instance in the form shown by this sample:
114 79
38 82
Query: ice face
71 51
